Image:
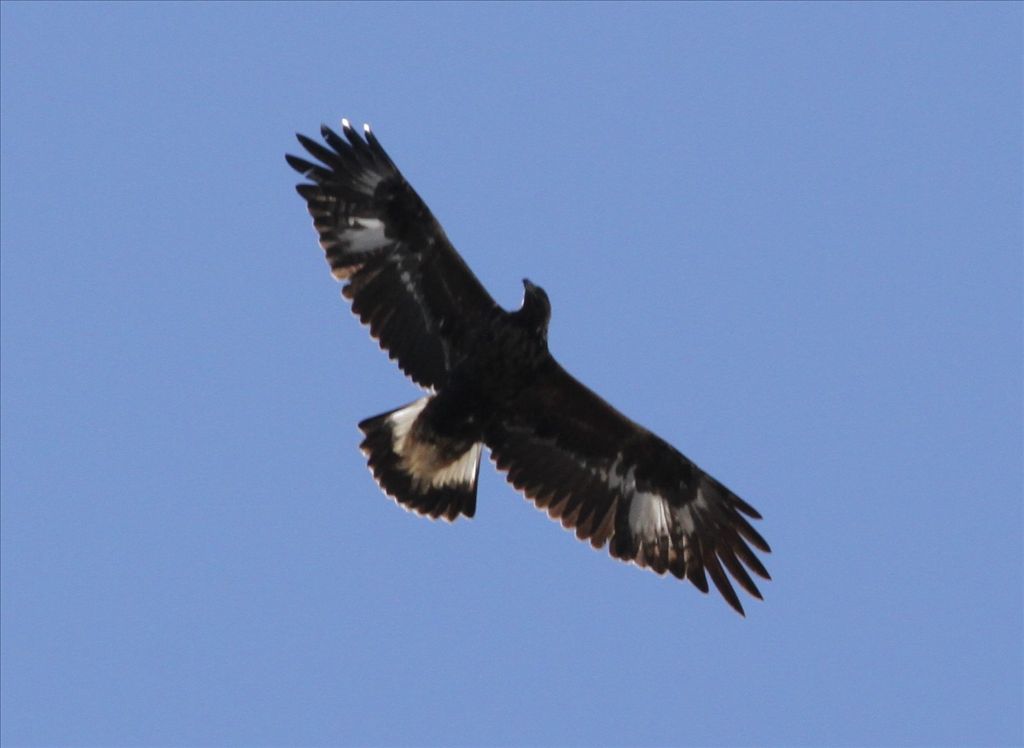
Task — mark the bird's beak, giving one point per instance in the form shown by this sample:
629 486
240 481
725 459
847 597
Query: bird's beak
527 285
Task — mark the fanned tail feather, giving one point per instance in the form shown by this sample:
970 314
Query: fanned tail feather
425 474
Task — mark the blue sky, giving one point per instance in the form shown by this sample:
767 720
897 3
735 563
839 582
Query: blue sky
785 237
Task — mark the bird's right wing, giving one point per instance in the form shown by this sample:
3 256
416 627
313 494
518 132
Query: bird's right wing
615 482
403 276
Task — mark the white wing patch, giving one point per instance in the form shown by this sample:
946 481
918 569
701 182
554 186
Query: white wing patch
365 235
649 515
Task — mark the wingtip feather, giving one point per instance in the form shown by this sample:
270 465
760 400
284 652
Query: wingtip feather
721 581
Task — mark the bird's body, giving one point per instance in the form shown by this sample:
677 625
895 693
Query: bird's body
492 382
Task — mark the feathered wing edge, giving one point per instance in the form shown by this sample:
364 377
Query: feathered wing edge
403 277
700 537
616 484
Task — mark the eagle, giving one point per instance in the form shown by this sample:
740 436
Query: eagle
491 381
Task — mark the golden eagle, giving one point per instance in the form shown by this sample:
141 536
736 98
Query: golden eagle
492 382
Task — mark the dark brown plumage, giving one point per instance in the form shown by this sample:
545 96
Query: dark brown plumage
493 383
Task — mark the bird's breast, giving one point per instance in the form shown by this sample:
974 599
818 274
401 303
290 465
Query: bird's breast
503 360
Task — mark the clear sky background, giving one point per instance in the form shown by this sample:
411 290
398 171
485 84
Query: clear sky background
785 237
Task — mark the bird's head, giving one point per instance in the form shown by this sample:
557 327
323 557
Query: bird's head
536 309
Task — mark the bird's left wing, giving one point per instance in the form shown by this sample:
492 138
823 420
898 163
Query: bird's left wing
615 482
403 276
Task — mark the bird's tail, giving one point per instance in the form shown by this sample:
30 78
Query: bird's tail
423 471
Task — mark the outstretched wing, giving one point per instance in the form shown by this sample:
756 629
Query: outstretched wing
610 479
403 276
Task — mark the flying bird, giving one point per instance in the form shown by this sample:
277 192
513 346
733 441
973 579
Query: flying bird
491 381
